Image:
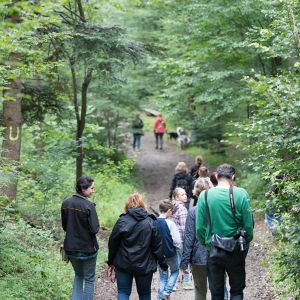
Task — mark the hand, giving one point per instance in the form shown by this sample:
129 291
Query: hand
164 266
185 271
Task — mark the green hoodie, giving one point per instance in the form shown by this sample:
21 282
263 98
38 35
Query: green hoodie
223 222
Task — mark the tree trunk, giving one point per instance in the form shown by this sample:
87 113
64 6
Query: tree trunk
11 146
81 123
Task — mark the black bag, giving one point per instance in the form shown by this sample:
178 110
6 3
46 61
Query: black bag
228 244
64 256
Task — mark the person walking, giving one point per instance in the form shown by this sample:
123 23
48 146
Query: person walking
183 180
195 167
179 217
80 222
137 131
194 253
224 221
171 243
135 248
159 129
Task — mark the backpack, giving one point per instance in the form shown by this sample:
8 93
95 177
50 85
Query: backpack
183 183
138 123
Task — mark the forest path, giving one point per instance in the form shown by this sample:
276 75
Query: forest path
156 169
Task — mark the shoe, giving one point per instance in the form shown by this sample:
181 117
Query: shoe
175 288
167 297
187 286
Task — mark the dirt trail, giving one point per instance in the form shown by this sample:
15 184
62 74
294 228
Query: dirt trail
156 168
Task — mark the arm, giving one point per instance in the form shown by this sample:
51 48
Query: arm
174 234
63 219
201 222
156 244
182 215
172 188
114 241
93 219
189 239
247 218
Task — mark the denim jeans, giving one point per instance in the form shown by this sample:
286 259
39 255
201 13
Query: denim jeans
124 283
136 141
84 281
167 279
159 138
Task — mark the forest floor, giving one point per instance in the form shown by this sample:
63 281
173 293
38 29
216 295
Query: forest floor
156 169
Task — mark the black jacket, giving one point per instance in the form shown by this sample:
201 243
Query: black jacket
183 180
80 222
135 245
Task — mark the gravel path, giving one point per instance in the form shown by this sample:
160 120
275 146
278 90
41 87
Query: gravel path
156 168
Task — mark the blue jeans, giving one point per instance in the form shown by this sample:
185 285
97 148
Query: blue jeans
167 279
124 283
84 281
136 141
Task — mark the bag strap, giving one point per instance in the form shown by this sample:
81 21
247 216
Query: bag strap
207 211
232 204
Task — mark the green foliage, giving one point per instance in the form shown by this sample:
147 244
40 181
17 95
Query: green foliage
31 267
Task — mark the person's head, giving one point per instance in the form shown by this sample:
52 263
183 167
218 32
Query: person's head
166 207
85 186
200 185
213 178
181 167
135 201
198 160
137 116
179 194
203 171
225 171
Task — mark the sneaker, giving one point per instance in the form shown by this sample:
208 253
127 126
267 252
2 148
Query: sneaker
167 297
175 288
187 286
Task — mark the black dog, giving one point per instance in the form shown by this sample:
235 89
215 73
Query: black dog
172 135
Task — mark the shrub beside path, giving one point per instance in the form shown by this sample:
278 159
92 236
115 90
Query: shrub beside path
156 169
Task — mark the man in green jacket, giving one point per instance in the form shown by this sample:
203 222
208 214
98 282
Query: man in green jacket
225 223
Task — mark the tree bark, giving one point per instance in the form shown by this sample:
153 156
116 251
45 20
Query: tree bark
11 146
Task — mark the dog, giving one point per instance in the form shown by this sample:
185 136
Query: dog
183 139
172 135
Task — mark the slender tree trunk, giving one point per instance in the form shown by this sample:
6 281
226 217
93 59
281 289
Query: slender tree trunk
11 146
81 123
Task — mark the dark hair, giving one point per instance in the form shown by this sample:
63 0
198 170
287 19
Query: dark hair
213 178
165 205
83 183
225 171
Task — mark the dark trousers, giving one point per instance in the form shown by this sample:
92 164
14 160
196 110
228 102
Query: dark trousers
234 265
124 283
159 140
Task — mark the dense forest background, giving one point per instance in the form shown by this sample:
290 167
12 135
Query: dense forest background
74 72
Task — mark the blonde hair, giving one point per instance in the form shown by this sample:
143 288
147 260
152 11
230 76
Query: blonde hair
176 192
135 200
200 185
203 171
181 166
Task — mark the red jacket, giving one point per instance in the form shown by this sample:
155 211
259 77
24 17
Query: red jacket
160 125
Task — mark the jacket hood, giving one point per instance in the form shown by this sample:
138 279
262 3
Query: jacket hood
181 175
138 213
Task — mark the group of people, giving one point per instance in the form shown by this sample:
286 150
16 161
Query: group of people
159 129
203 229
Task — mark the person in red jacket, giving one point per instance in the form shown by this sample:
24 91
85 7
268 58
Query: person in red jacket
159 129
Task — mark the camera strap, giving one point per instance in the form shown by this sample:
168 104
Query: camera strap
232 204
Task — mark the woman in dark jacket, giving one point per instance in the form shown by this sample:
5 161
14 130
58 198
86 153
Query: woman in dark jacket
80 222
135 247
183 180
